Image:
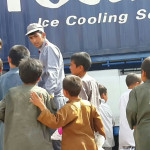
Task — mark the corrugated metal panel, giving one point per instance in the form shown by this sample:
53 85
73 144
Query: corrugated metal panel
99 35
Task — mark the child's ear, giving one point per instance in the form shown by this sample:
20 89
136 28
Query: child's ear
102 96
65 93
81 67
38 79
9 59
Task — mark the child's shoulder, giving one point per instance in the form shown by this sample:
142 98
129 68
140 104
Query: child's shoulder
39 90
88 78
85 102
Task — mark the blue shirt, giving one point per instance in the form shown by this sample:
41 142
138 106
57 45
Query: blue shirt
53 69
9 80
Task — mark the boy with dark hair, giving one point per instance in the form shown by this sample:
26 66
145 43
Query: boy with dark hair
11 78
22 130
1 67
80 64
126 139
138 109
78 118
107 118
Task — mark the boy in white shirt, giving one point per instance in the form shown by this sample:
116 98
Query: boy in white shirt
126 139
107 118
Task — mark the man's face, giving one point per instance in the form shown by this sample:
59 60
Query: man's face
37 39
74 69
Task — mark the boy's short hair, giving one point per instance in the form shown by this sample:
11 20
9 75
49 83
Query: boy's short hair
30 70
1 64
83 59
72 84
132 78
102 89
18 52
146 67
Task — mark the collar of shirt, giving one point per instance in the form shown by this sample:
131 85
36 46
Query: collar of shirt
44 44
74 100
103 101
14 69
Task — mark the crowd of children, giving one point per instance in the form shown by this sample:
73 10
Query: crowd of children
31 112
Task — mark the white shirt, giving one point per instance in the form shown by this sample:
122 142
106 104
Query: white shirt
125 133
106 115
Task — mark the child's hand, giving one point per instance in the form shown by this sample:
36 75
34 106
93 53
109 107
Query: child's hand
37 101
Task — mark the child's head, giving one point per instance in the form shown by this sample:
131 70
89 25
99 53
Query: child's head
1 66
80 62
103 92
145 69
72 84
132 80
18 52
30 70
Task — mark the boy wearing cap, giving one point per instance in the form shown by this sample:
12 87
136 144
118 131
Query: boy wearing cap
51 58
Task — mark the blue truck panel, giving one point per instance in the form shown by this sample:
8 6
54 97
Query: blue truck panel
109 30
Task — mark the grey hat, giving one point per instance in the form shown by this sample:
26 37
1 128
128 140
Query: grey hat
34 27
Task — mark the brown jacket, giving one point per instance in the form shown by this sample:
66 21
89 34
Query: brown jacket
79 119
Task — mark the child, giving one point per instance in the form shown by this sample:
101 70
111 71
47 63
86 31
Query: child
22 130
138 109
11 78
107 118
78 118
126 139
80 64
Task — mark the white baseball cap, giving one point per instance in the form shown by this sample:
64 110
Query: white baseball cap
34 27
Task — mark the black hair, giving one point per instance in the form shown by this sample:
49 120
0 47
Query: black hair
146 67
72 84
102 89
18 52
30 70
132 78
83 59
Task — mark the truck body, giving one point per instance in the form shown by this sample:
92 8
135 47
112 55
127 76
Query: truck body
114 32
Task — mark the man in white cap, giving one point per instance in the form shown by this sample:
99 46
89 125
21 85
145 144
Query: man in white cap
52 60
53 66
